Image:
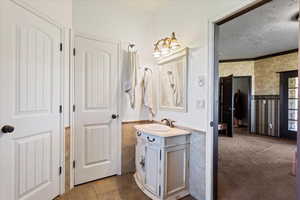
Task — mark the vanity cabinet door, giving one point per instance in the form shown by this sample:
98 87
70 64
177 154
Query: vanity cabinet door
176 169
140 160
152 168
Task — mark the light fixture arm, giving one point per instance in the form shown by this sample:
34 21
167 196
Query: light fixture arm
168 43
161 40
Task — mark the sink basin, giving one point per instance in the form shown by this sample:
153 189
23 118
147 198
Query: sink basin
160 130
157 127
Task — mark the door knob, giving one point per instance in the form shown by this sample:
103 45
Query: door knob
7 129
114 116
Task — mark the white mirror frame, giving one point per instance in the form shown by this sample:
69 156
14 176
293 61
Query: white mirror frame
182 56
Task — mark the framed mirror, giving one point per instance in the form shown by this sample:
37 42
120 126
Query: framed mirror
173 81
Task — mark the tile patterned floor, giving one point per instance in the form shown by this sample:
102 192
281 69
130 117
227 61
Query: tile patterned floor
112 188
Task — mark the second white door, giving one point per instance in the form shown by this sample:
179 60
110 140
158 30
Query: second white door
30 119
96 101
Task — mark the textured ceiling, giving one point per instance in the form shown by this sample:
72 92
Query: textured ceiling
263 31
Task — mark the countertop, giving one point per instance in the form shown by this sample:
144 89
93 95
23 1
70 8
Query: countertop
172 132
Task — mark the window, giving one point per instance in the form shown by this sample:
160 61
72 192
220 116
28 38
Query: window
293 104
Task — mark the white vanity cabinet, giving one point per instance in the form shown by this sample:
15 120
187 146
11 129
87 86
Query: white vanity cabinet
162 164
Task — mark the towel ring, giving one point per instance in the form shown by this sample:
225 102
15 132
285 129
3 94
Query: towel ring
130 46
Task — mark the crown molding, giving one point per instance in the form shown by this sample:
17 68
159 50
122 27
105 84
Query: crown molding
260 57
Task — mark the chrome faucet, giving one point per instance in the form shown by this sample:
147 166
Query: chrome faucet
168 122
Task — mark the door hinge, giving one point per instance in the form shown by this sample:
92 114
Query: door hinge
74 164
211 124
60 170
74 108
61 47
74 51
160 155
60 109
159 190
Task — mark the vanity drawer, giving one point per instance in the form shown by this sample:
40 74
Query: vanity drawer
162 141
151 139
177 140
147 138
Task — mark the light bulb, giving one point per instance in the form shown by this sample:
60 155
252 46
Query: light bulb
165 51
165 48
174 44
156 54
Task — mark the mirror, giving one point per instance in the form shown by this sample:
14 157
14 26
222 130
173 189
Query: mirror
173 81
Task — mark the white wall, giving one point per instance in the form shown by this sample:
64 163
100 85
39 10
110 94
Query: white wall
58 10
123 21
190 22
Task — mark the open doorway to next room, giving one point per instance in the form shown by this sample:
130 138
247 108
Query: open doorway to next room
258 109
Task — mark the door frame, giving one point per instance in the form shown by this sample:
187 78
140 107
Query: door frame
73 34
63 57
213 82
249 97
283 97
230 127
249 107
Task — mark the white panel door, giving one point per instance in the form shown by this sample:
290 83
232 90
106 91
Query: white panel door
96 85
152 167
176 162
30 98
140 149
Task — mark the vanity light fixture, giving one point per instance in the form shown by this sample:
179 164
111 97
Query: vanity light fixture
166 45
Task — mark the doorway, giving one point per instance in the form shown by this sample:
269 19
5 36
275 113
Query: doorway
216 83
242 102
226 104
235 103
96 106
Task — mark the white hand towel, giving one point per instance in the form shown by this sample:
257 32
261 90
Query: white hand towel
147 88
131 83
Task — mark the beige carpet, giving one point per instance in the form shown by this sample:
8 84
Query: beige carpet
255 168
